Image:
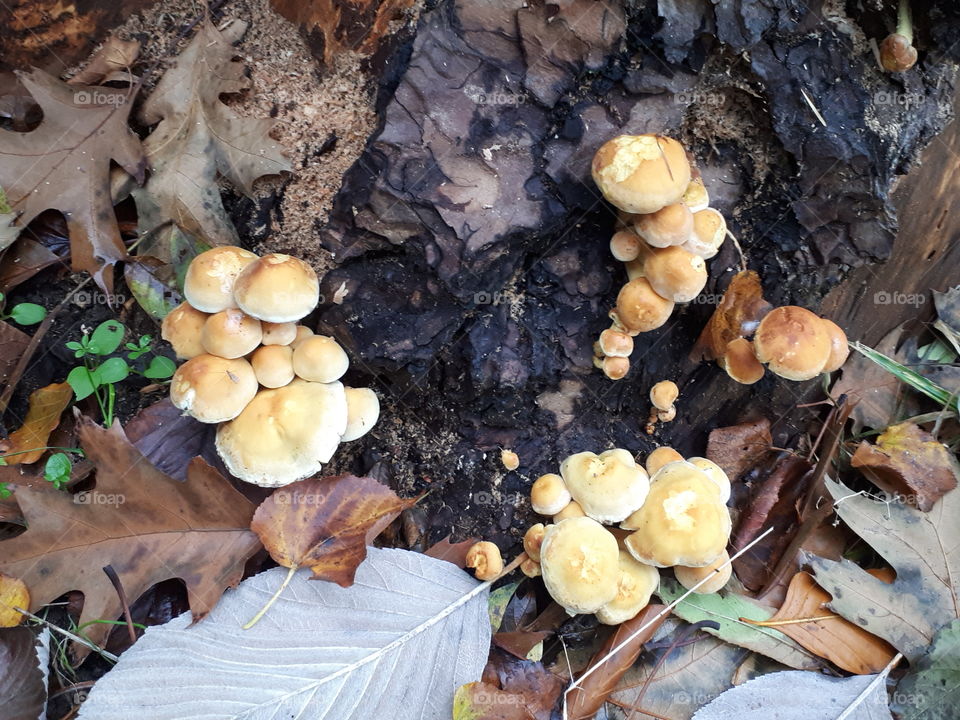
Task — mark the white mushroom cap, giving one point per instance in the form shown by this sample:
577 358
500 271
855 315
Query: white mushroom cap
230 334
213 389
715 473
363 411
286 434
209 282
181 328
609 487
637 582
579 559
277 288
273 365
549 494
319 358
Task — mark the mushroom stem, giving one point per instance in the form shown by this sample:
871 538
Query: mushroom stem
736 244
905 20
510 567
273 598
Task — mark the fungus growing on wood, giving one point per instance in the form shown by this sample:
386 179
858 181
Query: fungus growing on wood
211 277
719 572
793 343
636 582
277 288
579 559
181 328
509 459
641 173
549 494
608 486
213 389
231 334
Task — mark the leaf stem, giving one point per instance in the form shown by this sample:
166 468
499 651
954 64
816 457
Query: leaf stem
263 611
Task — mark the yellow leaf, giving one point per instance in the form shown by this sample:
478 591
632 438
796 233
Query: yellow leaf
46 404
13 593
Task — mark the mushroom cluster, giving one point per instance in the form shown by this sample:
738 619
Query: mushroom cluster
273 386
667 233
672 513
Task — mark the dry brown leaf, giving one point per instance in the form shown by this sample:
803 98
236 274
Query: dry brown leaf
115 54
519 643
324 523
846 645
145 524
28 444
739 447
23 687
65 165
198 137
13 594
909 463
737 315
451 552
12 344
483 701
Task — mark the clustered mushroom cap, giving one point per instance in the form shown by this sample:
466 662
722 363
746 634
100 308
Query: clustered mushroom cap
793 342
532 540
670 225
571 510
720 570
181 328
709 232
740 362
640 308
230 334
839 349
303 332
363 411
664 394
615 367
284 434
320 358
715 473
608 487
675 273
579 559
549 494
636 583
660 457
625 245
273 365
209 282
277 288
614 343
213 389
696 196
278 333
641 173
530 568
485 559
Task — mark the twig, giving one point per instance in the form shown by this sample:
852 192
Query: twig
76 638
118 586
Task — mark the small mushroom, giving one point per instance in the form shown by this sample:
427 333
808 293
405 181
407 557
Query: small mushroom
715 473
709 232
673 272
530 568
363 411
793 342
319 358
230 334
615 368
897 53
509 459
181 328
303 332
636 583
720 570
625 245
641 173
579 559
640 309
485 559
532 540
660 457
278 333
696 196
614 343
549 494
213 389
740 362
839 348
273 365
209 282
570 510
608 487
663 395
277 288
671 225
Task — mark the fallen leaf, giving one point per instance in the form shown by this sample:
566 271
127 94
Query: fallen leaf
795 695
483 701
197 137
115 54
12 345
923 549
395 644
530 684
737 315
846 645
455 553
27 444
497 606
169 439
520 643
148 526
588 697
13 594
64 164
739 448
909 463
23 688
177 249
323 523
931 689
149 280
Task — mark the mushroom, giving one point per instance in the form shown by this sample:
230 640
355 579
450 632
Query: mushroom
286 434
696 196
663 395
740 362
209 282
793 342
709 232
549 494
625 245
485 559
213 389
615 368
532 540
640 309
673 272
579 559
641 173
363 411
897 53
230 334
273 365
303 332
509 459
660 457
671 225
530 568
682 522
181 328
720 570
839 349
715 473
614 343
636 583
277 288
570 510
319 358
609 487
278 333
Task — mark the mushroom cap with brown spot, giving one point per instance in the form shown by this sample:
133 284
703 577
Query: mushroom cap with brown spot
285 434
363 411
740 362
675 273
609 486
640 309
320 358
671 225
277 288
839 349
213 389
181 328
231 334
549 494
210 279
664 394
636 582
641 173
278 333
579 559
719 575
273 365
793 342
709 232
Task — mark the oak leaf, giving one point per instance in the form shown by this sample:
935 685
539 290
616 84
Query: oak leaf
28 443
145 524
64 164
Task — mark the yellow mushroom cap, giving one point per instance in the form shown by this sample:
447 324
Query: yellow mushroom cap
230 334
675 273
209 282
682 522
740 362
363 411
793 342
549 494
664 394
485 559
708 234
277 288
278 333
625 245
213 389
671 225
660 457
715 473
839 349
696 196
286 434
608 487
615 368
636 583
273 365
614 343
579 559
571 510
509 459
181 328
690 576
530 568
303 332
532 540
320 358
640 308
641 173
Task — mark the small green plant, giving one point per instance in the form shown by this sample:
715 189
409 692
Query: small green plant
102 369
56 470
22 313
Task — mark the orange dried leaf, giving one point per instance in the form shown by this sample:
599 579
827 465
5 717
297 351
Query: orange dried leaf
737 315
483 701
13 594
452 552
46 405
